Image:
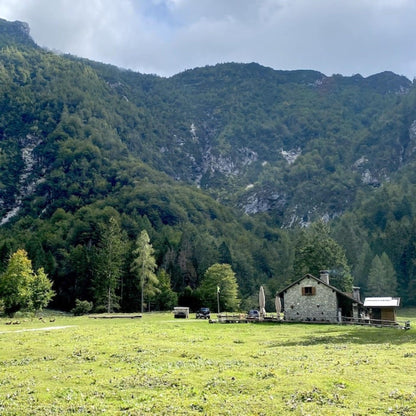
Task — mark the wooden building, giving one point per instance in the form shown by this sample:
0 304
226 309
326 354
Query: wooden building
382 308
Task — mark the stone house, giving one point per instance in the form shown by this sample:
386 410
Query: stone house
314 299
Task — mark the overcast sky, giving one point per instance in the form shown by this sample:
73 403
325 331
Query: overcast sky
168 36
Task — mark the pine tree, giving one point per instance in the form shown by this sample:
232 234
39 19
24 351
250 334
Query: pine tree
390 277
382 279
166 299
108 265
144 266
375 277
316 250
362 266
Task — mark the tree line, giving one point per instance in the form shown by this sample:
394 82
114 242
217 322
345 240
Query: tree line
114 273
23 289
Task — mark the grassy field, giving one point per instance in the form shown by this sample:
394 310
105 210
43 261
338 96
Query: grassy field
160 366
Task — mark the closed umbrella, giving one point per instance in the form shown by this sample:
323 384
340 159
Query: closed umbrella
278 305
262 302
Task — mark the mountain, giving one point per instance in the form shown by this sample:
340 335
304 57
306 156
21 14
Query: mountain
254 137
15 33
219 164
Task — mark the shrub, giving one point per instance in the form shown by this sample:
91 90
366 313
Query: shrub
82 307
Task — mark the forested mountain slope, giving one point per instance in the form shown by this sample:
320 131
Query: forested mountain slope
218 164
297 144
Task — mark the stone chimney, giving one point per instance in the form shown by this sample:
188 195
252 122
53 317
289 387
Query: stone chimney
324 276
356 293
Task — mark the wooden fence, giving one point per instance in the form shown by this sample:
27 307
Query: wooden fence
346 320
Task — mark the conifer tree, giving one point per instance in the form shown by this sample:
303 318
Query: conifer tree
374 277
144 266
316 250
166 298
382 279
109 265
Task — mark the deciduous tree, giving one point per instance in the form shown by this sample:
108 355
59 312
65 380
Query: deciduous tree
219 279
40 288
23 289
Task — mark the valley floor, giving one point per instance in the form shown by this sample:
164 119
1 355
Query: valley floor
163 366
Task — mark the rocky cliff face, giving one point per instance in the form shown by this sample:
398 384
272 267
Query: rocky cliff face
411 147
296 144
27 181
17 33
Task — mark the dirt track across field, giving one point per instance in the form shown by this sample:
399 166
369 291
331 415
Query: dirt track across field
47 328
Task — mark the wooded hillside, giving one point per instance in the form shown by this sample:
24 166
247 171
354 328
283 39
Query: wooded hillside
220 164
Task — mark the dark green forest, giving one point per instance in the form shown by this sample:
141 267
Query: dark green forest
276 173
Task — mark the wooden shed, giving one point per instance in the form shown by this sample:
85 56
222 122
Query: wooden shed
382 308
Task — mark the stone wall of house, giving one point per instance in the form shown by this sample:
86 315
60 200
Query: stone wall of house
321 306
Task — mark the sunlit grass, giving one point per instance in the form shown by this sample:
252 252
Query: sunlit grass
162 366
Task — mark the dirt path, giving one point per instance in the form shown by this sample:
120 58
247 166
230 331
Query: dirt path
47 328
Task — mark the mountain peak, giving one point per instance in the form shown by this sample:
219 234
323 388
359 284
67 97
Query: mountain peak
12 33
388 81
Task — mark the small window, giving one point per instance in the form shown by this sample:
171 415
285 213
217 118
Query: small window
308 291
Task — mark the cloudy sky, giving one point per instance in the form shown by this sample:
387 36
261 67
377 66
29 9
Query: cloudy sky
168 36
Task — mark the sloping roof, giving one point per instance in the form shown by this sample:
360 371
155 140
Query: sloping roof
309 276
384 302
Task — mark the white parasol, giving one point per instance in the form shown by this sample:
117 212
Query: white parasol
262 302
278 305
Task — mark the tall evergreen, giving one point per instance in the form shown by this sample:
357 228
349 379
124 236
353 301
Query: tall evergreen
109 260
144 267
382 279
315 251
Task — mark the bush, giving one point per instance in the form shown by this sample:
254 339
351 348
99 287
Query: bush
82 307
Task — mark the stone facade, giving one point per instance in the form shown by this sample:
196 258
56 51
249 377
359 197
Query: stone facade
310 299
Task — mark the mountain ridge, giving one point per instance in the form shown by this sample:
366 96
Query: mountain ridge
225 150
220 163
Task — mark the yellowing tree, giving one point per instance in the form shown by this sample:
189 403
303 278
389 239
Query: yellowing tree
23 289
144 266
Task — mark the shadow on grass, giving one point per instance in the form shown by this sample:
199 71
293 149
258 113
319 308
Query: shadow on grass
351 335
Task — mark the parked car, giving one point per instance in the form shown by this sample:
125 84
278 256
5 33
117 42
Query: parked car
203 313
253 314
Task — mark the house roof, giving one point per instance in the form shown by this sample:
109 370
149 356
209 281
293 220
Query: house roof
309 276
383 302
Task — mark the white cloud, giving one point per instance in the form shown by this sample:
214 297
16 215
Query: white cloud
167 36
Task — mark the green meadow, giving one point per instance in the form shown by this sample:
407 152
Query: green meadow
64 365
